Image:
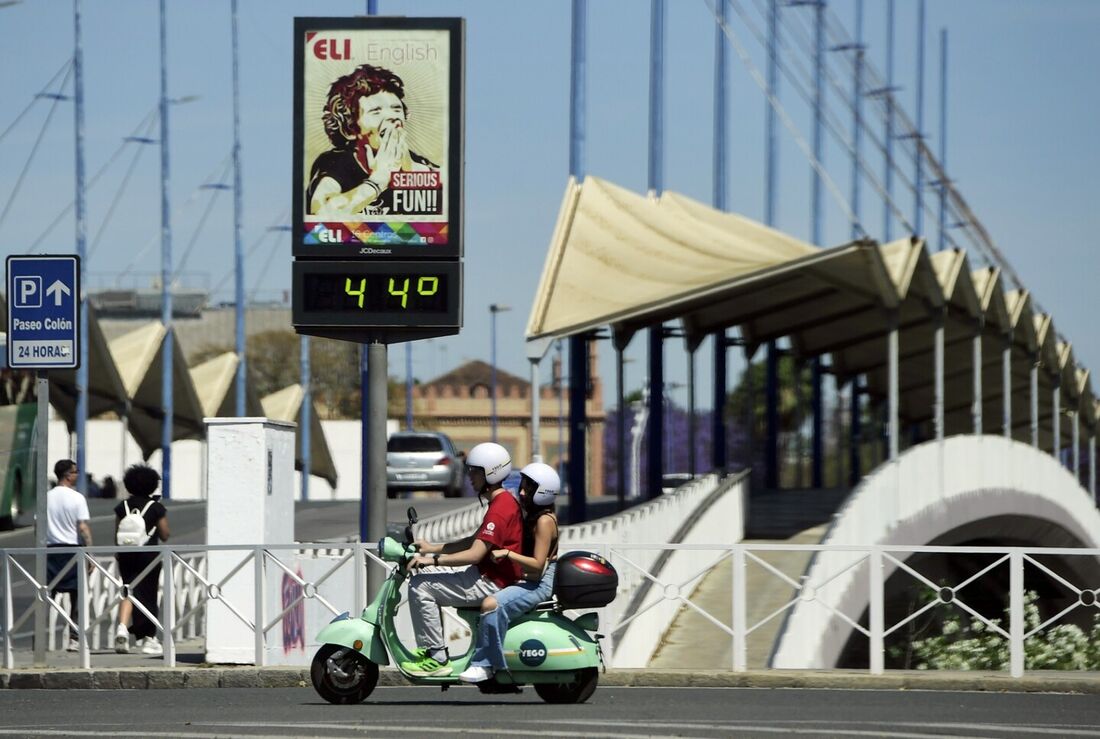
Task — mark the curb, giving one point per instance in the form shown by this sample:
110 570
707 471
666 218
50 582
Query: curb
298 677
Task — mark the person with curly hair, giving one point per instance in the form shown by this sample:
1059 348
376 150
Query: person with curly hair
141 481
364 118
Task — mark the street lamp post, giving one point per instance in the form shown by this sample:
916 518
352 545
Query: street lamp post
493 310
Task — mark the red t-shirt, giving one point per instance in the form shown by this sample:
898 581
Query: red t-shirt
502 528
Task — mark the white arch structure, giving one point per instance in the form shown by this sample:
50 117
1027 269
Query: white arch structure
929 491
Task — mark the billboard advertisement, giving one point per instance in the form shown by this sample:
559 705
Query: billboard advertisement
378 137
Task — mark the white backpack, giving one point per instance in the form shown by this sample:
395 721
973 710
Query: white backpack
131 529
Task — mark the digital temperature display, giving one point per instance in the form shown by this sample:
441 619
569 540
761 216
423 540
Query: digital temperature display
384 293
377 294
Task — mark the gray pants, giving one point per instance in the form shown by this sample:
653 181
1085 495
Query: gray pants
427 592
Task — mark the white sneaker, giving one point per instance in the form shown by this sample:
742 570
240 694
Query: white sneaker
122 640
474 674
150 645
74 645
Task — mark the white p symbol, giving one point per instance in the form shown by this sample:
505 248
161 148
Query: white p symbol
28 290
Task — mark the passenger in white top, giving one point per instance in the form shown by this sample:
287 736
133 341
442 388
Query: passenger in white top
67 526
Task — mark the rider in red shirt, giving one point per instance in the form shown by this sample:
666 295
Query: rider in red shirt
502 528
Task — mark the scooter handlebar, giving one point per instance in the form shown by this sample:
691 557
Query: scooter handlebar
391 550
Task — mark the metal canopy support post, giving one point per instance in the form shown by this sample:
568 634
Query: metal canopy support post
409 385
892 423
578 345
305 379
816 409
165 270
855 441
1035 401
376 453
536 391
721 87
364 443
1076 446
578 427
943 140
1056 418
918 186
81 250
718 414
1006 369
691 411
888 164
938 371
655 440
976 407
817 451
238 248
1092 463
41 430
771 378
771 418
656 429
620 428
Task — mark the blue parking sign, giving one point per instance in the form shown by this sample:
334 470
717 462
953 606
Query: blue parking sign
44 312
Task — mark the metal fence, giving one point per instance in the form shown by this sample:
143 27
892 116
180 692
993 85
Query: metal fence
189 591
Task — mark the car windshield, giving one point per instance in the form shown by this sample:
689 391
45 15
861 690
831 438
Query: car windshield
414 444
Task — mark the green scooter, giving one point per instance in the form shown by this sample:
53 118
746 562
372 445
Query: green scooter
543 648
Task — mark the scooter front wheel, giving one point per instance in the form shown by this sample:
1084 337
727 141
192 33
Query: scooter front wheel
575 691
341 675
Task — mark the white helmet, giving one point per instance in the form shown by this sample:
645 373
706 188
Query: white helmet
547 480
493 459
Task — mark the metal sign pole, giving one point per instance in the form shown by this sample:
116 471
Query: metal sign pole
42 389
377 374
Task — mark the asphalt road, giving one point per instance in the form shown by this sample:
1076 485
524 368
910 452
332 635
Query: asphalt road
612 712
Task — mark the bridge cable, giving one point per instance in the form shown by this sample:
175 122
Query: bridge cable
34 149
36 98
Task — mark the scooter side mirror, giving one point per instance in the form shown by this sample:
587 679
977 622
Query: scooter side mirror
411 513
409 535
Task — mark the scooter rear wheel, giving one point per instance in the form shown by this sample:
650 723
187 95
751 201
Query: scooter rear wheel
341 675
575 691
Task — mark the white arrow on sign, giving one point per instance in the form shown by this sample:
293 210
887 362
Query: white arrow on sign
56 289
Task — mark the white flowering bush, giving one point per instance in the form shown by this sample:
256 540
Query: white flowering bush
974 645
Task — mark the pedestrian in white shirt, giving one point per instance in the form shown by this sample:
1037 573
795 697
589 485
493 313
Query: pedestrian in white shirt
67 526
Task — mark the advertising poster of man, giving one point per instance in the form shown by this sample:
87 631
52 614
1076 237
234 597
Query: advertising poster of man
376 116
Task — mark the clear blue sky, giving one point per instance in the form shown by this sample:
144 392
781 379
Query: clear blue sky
1023 117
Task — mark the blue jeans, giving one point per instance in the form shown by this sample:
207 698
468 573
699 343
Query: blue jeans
512 601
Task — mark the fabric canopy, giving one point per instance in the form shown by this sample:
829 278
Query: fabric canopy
139 356
616 255
215 383
286 405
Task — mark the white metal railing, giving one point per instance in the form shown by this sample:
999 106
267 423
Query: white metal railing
672 589
928 491
883 561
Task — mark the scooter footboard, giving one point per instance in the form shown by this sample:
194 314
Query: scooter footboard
357 634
